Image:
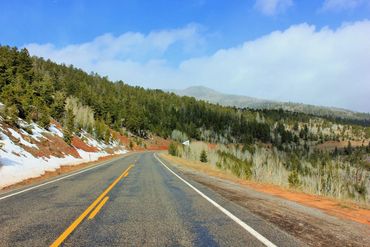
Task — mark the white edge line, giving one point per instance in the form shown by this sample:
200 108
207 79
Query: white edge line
249 229
56 180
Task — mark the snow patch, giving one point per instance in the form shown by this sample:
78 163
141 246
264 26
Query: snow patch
53 129
16 164
37 131
21 140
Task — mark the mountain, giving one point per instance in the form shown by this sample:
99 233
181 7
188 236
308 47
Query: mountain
213 96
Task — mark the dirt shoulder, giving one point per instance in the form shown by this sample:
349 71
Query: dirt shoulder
63 170
316 220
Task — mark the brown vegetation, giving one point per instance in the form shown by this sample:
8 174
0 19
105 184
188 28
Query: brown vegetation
339 208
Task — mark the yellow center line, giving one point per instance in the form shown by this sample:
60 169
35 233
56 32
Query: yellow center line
97 209
78 221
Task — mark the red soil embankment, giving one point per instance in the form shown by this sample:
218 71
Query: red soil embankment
79 144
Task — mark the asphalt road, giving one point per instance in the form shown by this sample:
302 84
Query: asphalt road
133 201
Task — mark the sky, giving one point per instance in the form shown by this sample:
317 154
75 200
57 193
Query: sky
315 52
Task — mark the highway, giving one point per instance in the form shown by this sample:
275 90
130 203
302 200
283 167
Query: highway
137 200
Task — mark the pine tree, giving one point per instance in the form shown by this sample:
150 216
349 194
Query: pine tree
11 115
58 105
69 126
349 148
107 136
203 156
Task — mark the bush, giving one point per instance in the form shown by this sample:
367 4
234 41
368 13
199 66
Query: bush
131 145
28 129
203 156
172 149
293 179
67 136
11 115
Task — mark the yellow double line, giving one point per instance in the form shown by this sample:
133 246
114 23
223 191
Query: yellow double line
93 205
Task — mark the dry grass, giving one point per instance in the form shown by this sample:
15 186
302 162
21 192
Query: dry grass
340 208
337 178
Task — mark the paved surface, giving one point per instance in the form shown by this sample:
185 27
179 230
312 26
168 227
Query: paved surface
145 205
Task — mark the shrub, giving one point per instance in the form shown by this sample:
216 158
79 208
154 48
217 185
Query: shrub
131 145
67 136
172 149
293 179
11 115
203 156
28 129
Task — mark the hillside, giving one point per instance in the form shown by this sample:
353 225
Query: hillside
28 151
210 95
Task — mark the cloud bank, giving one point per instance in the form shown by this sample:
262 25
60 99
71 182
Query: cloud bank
300 64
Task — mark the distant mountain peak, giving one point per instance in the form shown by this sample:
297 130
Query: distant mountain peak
199 90
213 96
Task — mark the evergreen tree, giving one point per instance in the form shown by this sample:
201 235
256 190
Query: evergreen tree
69 126
349 148
203 156
11 115
131 145
107 136
58 105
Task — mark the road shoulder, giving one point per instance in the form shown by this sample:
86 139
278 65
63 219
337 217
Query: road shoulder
310 225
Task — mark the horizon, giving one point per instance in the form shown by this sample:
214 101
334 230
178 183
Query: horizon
242 95
280 50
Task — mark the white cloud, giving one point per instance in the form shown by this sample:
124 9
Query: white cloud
133 46
272 7
300 64
339 5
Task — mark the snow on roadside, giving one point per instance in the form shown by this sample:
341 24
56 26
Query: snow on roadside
16 164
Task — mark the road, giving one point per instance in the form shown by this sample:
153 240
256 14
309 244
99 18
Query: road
137 200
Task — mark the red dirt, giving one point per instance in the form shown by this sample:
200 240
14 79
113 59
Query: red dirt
53 145
212 146
57 124
123 139
157 143
49 145
79 144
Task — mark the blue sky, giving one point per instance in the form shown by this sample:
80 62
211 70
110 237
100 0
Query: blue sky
178 43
